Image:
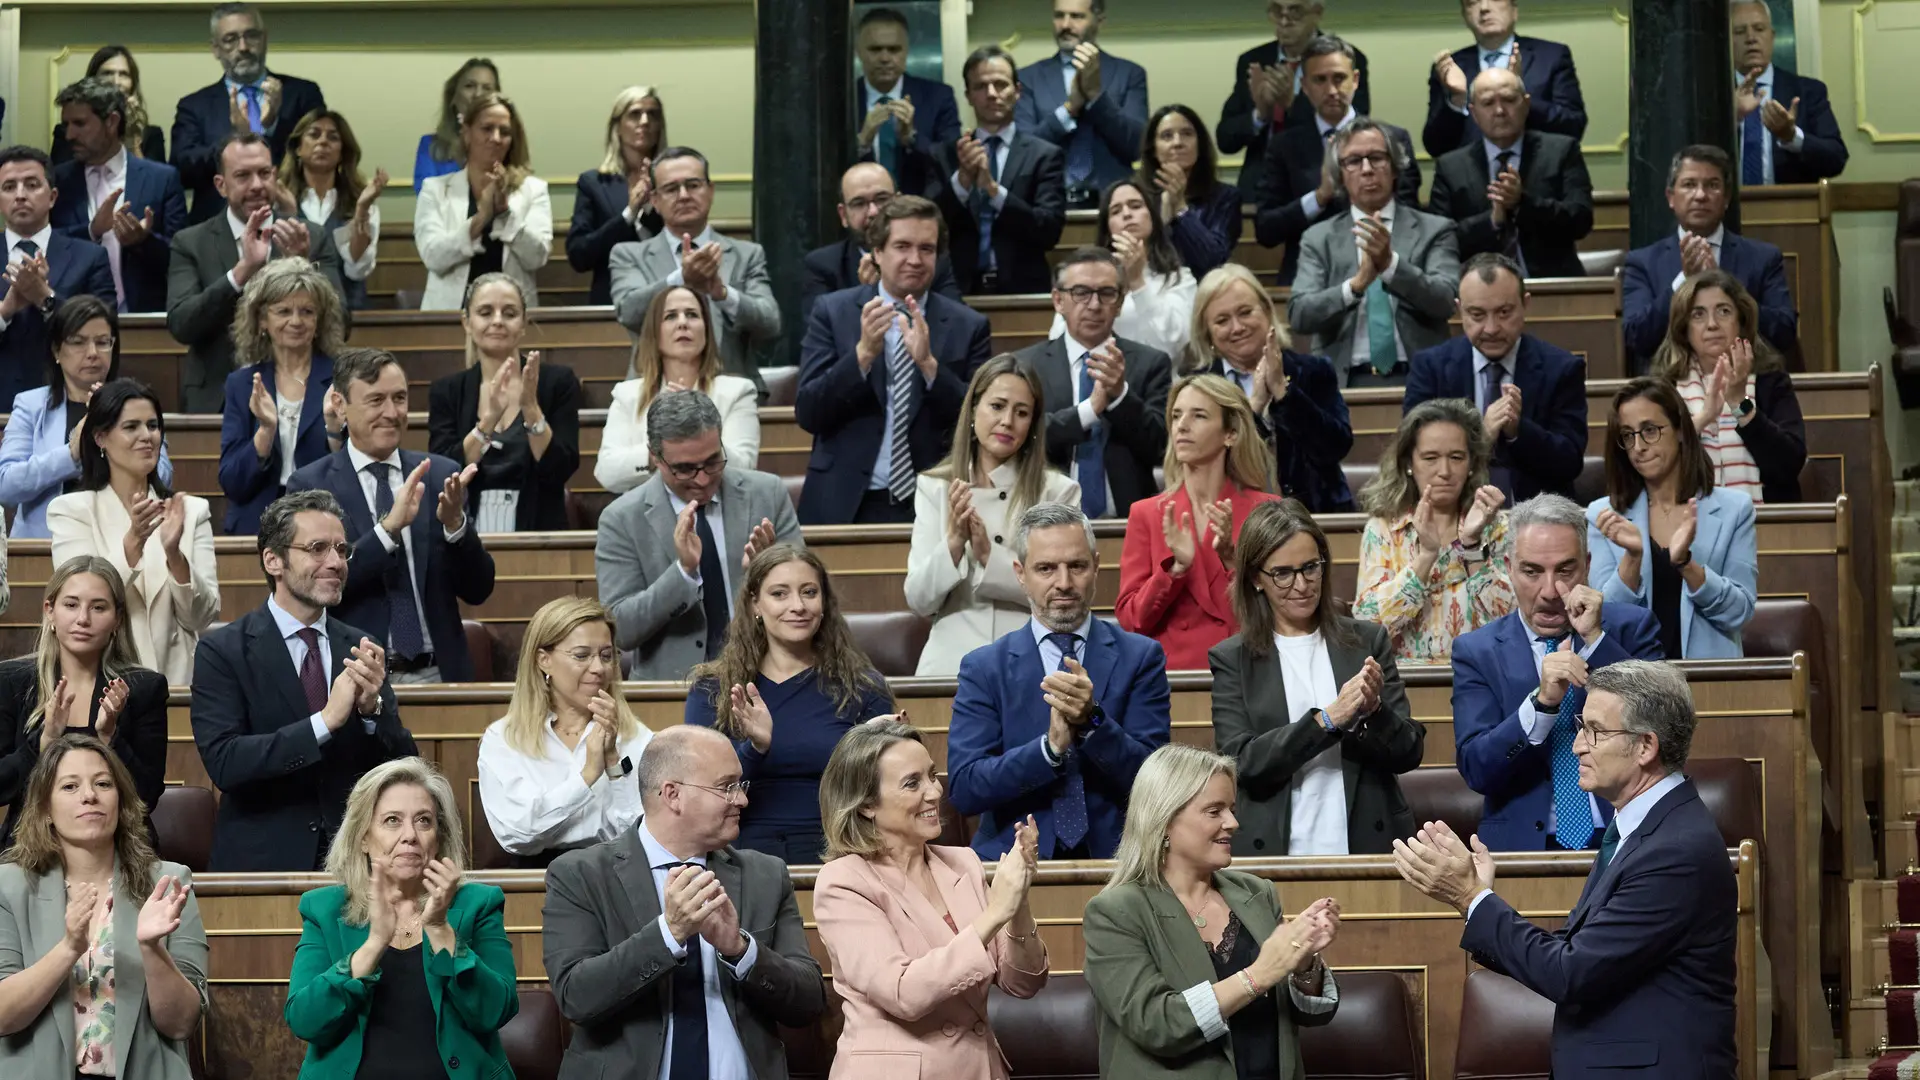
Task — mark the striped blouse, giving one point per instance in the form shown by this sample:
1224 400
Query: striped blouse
1733 464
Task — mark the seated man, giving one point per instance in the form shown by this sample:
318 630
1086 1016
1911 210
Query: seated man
664 560
1698 184
290 705
864 189
1086 101
923 112
1071 765
1267 80
1513 736
44 268
1546 67
1377 283
1522 193
658 978
883 375
410 571
1532 395
1787 131
126 204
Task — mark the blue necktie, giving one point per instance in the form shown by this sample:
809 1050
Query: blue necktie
886 143
1080 143
983 210
689 1015
1491 60
1092 455
252 94
1753 148
403 619
1070 806
1572 806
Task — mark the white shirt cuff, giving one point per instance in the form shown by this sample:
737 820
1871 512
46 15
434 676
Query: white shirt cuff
1259 121
386 538
454 536
235 282
678 277
369 725
693 578
321 733
628 215
1327 1000
1046 750
1206 1010
1484 893
1534 722
1310 204
678 950
1392 265
1679 279
1793 145
1348 297
740 970
729 304
1086 414
1065 118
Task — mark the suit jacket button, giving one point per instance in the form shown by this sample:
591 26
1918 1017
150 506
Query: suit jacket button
1539 826
1003 496
949 1030
997 540
699 644
1259 844
453 1063
979 1028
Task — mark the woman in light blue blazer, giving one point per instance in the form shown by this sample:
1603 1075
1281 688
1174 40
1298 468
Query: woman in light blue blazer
1664 537
40 451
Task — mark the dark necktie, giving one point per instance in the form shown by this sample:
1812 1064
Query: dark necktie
713 585
1609 840
1572 806
1070 806
900 410
313 673
27 249
983 210
1091 455
689 992
1499 473
886 142
403 618
1753 146
1511 249
1080 143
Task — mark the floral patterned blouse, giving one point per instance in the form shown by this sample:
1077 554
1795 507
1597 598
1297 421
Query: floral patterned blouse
1425 615
93 998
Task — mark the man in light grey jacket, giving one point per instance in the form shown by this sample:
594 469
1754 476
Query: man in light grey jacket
669 554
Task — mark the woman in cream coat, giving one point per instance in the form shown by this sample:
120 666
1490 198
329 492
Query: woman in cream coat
491 216
960 568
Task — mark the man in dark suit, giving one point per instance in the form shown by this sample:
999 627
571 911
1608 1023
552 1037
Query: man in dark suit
1545 67
247 98
1297 190
1517 684
1698 184
1107 425
1532 395
1525 194
410 571
1088 102
211 262
1787 131
1266 96
883 376
864 189
922 112
290 705
1642 973
44 268
128 205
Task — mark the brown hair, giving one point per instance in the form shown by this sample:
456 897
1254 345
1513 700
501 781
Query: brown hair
1270 525
1029 461
518 163
1624 482
446 134
1674 360
851 783
36 848
651 367
347 178
116 658
1391 492
903 208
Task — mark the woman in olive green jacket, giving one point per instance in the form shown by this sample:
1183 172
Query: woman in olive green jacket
1185 957
402 971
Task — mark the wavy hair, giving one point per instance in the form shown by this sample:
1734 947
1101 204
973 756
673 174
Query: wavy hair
1162 257
1170 778
651 367
851 783
1270 525
1200 352
1674 359
36 847
1029 461
1206 165
1391 492
525 724
1249 459
116 659
133 133
351 867
614 164
348 180
446 132
275 282
519 159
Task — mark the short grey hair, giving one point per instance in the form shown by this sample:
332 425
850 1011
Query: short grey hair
1050 515
679 415
277 526
1397 155
221 11
1654 700
1549 510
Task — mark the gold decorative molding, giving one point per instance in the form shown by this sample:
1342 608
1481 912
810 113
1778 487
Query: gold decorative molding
1860 82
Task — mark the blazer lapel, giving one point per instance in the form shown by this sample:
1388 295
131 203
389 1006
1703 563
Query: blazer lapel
1204 585
849 260
727 869
1250 906
1056 375
1025 671
50 897
129 973
1184 946
1517 673
962 905
1345 661
425 522
635 875
733 518
345 486
1098 657
319 381
1014 170
268 657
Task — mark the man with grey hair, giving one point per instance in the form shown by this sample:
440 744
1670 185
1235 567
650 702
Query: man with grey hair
1519 683
646 936
668 554
1643 970
1052 721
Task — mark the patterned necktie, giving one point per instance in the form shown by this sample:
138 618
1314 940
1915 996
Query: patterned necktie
900 409
1753 146
1091 455
1572 806
403 618
983 210
1491 60
252 94
1070 806
313 675
689 1014
1380 333
1609 841
886 142
1080 143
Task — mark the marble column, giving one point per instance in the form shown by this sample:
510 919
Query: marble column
1680 92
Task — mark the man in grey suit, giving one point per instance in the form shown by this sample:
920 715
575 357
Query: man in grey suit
632 926
666 553
731 274
1376 284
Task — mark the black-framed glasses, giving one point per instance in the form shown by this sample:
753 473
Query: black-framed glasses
687 470
1084 296
1646 433
320 549
1596 734
725 791
251 37
1283 577
861 203
1377 160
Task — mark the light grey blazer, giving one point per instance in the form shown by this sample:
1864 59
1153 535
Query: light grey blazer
641 268
33 919
656 610
1423 284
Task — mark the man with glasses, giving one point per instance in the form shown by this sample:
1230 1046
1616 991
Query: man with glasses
291 705
1519 683
1267 86
667 554
864 189
1544 69
674 954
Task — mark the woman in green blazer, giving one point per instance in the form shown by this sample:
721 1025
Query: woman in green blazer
402 971
1187 958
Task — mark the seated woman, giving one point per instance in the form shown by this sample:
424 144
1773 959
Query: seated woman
401 967
79 884
553 771
440 150
1180 174
788 684
1433 559
1158 309
40 448
491 217
519 420
959 565
159 541
1303 692
678 350
914 932
320 181
613 203
142 138
1176 562
1170 896
1238 333
1736 390
1701 571
278 414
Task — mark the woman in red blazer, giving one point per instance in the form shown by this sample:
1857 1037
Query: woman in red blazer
1174 566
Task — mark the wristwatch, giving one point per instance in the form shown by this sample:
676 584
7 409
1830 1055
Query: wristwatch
538 427
47 305
1746 406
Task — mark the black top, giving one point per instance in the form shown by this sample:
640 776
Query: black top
139 737
1256 1052
492 249
76 413
399 1043
1667 587
453 406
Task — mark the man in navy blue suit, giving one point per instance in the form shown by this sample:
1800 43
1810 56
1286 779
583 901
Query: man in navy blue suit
1545 66
1787 131
1698 184
1055 718
847 262
1518 684
1642 974
247 98
43 269
1086 101
883 375
923 112
1267 84
409 570
128 205
1533 395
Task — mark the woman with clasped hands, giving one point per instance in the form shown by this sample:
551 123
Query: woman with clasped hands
402 971
914 932
1188 959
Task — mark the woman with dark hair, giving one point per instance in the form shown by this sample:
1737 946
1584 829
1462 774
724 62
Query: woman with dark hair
142 139
159 541
1158 306
440 150
1179 172
320 180
1664 536
613 204
493 216
790 681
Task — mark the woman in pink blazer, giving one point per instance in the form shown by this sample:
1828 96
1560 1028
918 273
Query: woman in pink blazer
913 931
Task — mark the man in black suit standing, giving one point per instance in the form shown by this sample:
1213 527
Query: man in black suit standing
291 706
1267 86
1522 193
1787 131
864 189
43 269
1545 68
247 98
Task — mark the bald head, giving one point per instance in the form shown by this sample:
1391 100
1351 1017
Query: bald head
1752 35
1498 101
670 754
686 774
863 189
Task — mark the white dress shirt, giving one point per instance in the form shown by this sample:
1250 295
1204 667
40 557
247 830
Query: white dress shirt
729 304
726 1058
1764 89
1539 725
537 804
1310 202
290 628
1626 819
883 460
396 482
103 180
997 167
318 208
716 520
1318 824
238 226
1713 241
1362 339
1077 364
14 254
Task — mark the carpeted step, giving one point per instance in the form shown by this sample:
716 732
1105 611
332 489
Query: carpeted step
1900 1065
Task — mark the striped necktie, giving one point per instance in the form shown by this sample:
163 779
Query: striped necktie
900 409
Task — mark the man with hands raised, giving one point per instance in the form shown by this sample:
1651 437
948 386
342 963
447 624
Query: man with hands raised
40 268
1268 80
128 205
1788 134
1086 101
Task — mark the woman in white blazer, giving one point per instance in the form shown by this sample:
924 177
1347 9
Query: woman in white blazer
1159 290
960 566
161 542
678 350
491 216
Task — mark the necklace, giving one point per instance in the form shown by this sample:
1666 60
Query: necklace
1199 917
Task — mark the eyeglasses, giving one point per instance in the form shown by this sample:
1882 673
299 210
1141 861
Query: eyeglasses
682 187
684 470
1596 734
1645 433
585 655
1288 12
859 204
100 344
725 791
1084 296
1283 577
1375 160
251 37
320 549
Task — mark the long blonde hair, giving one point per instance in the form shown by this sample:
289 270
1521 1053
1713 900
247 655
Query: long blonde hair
1200 352
1029 461
614 164
36 847
525 724
851 783
651 367
518 163
116 659
351 867
1168 780
473 290
1249 460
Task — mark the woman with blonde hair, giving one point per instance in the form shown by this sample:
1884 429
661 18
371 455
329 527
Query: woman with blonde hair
493 216
613 204
554 770
402 966
320 180
1170 892
440 150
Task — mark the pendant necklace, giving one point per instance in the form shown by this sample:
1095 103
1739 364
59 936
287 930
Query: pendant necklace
1199 917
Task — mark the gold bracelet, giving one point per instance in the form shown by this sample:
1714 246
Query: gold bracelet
1011 936
1253 988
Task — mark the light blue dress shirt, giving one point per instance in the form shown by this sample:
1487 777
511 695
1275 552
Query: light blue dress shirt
726 1058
